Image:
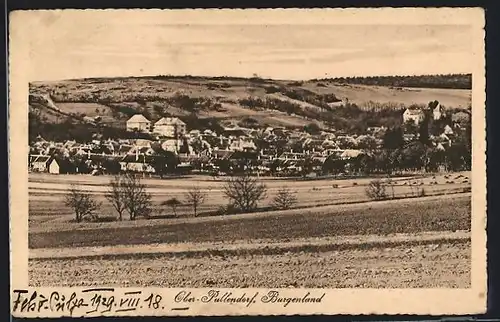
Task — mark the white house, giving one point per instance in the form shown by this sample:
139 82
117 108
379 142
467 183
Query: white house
437 112
414 115
336 104
143 143
53 166
137 163
444 139
350 154
138 123
170 127
448 130
171 145
45 163
440 147
241 144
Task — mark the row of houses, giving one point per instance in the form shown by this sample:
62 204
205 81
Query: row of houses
416 115
196 141
166 126
94 163
205 149
142 155
142 161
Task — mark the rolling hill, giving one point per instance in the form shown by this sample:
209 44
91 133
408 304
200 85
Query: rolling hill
228 100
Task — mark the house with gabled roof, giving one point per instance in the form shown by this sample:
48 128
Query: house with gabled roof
138 123
242 144
39 163
51 164
437 112
171 127
137 163
172 145
447 130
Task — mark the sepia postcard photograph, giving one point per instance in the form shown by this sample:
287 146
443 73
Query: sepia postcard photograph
247 162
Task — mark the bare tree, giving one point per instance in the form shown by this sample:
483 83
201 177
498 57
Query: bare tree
376 190
137 199
244 192
116 195
173 202
285 199
82 203
195 196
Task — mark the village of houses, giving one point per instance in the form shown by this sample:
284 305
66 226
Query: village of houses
204 151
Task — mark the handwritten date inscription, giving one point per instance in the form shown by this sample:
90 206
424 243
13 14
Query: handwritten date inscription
97 300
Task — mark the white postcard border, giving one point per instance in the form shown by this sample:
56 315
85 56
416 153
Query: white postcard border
22 32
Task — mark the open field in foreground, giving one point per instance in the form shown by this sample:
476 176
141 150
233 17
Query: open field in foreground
408 243
404 243
429 262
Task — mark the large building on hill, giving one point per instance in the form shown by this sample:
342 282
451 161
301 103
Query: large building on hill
138 123
171 127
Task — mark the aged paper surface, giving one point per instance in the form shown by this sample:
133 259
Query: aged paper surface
254 170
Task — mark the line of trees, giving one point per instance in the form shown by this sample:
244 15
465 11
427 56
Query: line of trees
128 195
453 81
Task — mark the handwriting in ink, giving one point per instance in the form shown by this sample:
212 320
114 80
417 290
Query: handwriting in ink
93 300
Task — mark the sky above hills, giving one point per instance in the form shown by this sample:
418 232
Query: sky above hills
290 47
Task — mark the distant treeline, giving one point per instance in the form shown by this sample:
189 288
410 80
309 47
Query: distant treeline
451 81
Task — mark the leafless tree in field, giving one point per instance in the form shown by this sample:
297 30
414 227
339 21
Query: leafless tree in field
116 195
137 199
244 192
82 203
195 196
285 199
376 190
